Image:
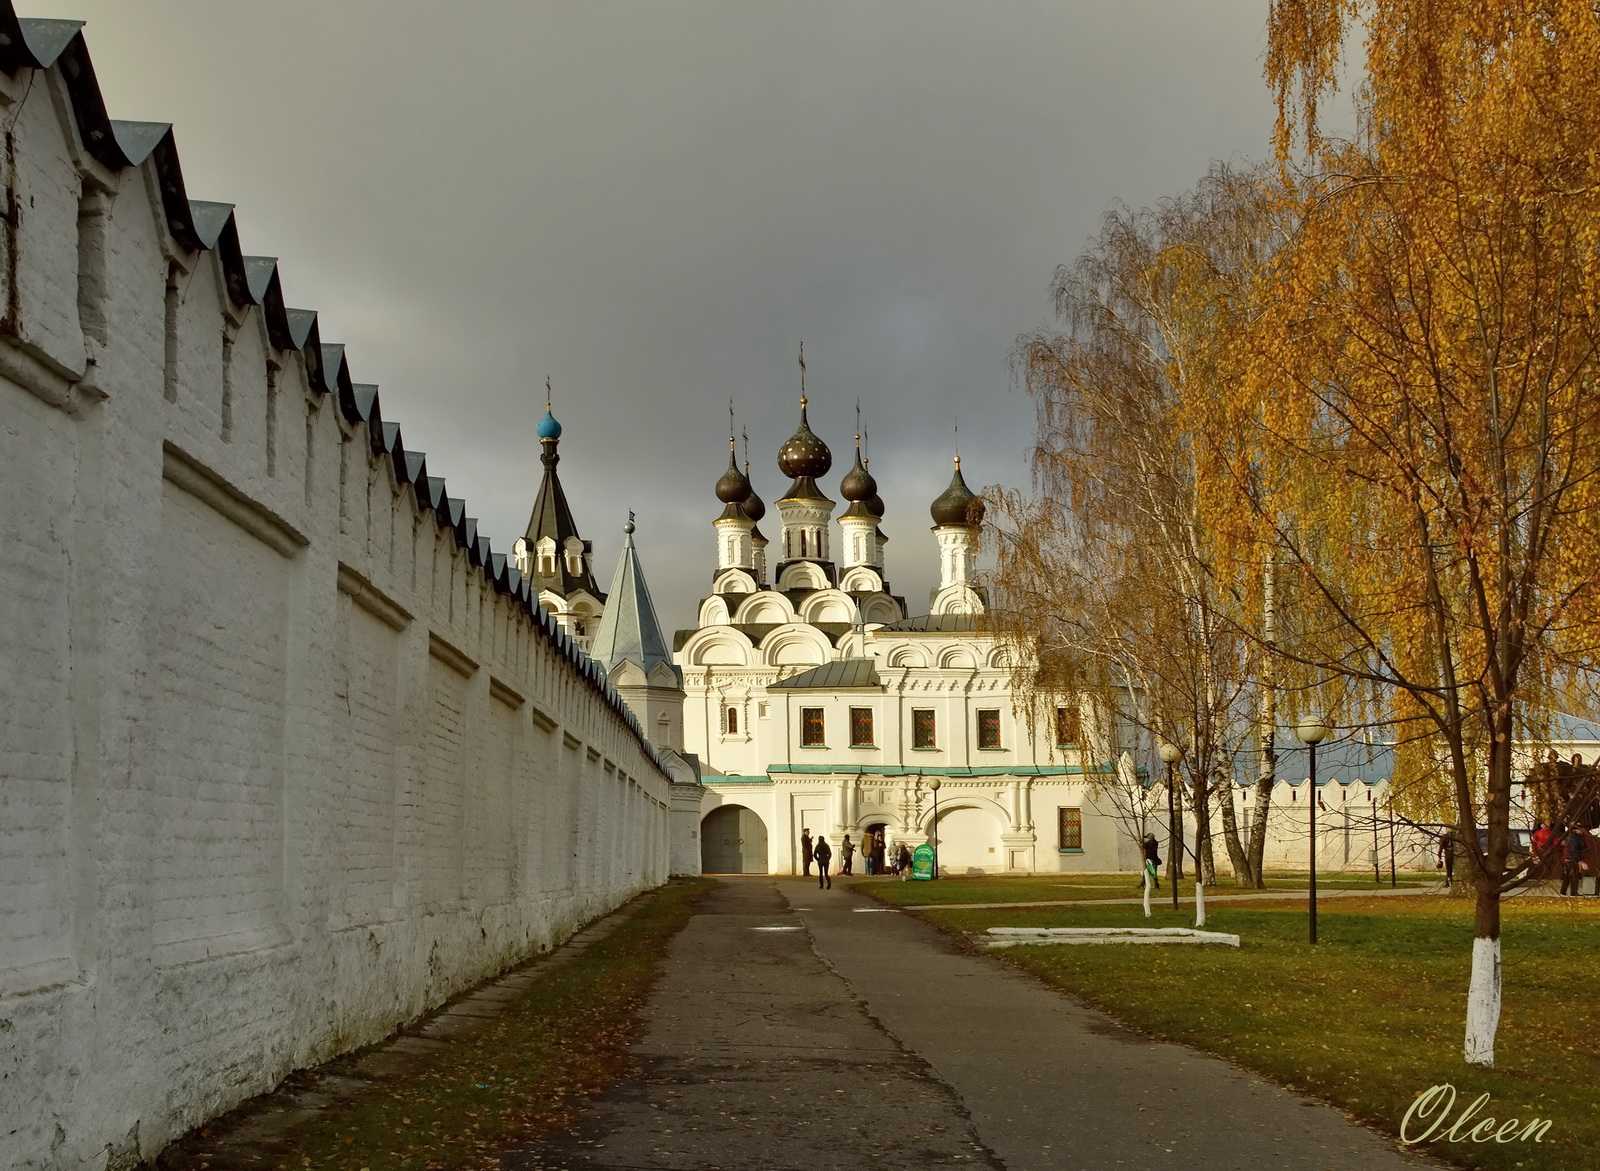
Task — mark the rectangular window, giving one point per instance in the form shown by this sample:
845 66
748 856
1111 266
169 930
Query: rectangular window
924 730
1067 727
730 720
861 727
811 728
1070 828
989 728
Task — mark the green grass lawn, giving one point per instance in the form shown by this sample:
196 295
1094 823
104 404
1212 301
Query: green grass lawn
1369 1018
1101 886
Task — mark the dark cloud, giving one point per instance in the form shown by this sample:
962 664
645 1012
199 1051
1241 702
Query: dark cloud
653 202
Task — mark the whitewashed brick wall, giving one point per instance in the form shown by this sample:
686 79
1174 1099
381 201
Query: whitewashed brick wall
286 755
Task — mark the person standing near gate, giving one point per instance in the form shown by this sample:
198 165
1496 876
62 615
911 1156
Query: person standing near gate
824 855
1152 860
1573 843
806 851
846 850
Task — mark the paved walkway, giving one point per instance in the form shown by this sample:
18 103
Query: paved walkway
797 1028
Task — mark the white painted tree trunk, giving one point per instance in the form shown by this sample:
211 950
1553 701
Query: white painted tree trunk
1199 904
1483 1001
1147 890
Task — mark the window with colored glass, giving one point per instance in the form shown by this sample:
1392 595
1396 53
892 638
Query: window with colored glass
812 728
989 728
1070 828
924 728
861 727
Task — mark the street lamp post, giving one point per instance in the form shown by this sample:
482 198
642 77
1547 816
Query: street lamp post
1311 731
1172 754
1392 881
1377 873
933 829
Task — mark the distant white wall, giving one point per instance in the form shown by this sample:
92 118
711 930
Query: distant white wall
286 757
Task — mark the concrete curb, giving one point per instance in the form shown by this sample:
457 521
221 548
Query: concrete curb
1031 936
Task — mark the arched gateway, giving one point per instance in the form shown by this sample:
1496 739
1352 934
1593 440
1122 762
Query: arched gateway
733 840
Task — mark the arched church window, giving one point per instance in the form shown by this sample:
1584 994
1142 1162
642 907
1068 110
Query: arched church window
730 721
802 542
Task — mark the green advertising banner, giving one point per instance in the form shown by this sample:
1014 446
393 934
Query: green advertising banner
922 861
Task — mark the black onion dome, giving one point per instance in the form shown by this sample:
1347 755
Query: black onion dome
958 505
734 487
858 483
874 504
803 454
754 507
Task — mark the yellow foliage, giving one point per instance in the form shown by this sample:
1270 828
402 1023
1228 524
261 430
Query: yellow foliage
1415 409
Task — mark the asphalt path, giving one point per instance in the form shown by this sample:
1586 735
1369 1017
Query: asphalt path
806 1029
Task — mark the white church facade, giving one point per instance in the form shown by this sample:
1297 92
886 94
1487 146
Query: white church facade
816 700
809 696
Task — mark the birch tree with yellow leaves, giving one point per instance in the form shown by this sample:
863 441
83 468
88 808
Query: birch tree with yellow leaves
1416 412
1105 577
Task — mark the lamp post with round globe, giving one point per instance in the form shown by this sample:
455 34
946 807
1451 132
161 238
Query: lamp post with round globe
933 827
1311 732
1172 754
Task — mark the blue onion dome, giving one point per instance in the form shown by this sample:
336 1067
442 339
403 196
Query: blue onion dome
754 507
548 429
958 506
803 455
734 487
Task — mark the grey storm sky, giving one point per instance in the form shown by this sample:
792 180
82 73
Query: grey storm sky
653 202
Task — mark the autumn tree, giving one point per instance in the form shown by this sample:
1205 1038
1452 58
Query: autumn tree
1414 413
1105 575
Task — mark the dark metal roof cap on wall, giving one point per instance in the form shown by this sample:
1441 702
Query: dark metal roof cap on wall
206 226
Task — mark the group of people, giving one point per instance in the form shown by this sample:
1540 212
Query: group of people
1574 848
873 850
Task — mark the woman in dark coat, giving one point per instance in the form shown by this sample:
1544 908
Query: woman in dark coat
824 855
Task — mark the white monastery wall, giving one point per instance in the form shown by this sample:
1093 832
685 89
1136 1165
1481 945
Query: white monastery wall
287 755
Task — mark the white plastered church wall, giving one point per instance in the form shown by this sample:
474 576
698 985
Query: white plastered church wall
747 723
